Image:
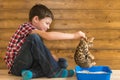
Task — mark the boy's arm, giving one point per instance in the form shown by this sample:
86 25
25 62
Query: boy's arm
59 35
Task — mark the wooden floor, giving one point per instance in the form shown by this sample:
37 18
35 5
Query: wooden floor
4 76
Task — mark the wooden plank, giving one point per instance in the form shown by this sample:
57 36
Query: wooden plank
2 55
3 44
84 24
64 24
89 15
62 4
102 34
104 39
106 54
14 24
100 60
71 44
102 57
111 60
97 33
14 14
92 15
98 44
99 54
72 64
6 34
86 19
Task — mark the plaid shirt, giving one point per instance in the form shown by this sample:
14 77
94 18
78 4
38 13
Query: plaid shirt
16 42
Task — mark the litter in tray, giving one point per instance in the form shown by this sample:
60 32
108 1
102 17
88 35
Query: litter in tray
88 72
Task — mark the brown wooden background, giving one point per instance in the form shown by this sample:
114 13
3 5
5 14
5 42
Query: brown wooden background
97 18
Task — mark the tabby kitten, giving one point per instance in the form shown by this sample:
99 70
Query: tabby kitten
82 55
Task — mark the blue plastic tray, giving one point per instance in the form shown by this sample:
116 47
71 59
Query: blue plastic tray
93 75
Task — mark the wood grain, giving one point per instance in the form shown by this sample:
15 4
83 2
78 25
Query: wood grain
62 4
97 18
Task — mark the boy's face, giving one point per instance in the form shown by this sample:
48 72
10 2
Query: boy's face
43 24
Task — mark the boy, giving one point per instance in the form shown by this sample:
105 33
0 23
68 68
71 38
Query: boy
27 56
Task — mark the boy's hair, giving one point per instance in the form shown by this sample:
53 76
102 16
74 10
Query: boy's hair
41 11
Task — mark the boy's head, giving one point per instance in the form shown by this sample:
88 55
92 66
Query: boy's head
41 17
41 11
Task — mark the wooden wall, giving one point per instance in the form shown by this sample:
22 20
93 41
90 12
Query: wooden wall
97 18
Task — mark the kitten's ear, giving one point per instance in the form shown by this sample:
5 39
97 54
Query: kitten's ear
91 39
90 42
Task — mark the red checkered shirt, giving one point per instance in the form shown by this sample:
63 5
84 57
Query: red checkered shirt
16 42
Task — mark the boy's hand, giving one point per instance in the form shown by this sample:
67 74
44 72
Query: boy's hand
80 34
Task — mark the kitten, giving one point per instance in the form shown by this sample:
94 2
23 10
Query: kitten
82 55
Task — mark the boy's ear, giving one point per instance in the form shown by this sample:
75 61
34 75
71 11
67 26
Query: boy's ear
36 19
